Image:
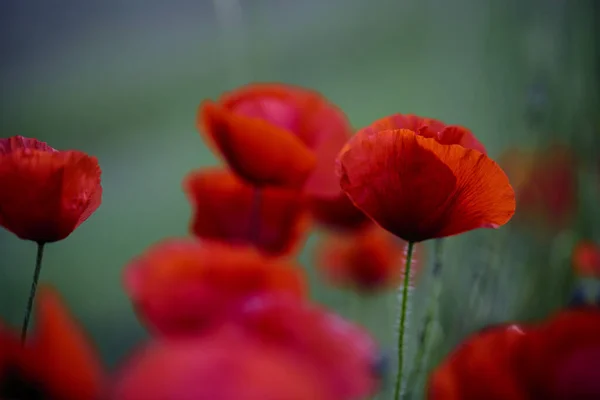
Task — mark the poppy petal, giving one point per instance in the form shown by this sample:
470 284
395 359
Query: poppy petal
185 286
259 152
419 189
337 213
223 367
229 210
60 357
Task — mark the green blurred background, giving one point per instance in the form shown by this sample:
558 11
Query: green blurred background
122 80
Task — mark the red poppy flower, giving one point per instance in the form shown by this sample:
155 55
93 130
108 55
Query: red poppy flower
483 367
223 367
368 260
344 355
58 363
586 259
46 194
424 184
183 286
337 213
226 209
560 358
277 134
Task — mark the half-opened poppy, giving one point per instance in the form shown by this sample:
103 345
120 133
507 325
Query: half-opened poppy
58 362
586 259
423 184
483 367
277 134
217 367
184 286
368 260
226 209
344 355
46 194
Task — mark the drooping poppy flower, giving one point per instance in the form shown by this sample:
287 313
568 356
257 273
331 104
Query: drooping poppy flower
423 184
483 367
545 185
586 259
58 363
46 194
368 260
226 209
344 355
224 367
186 286
277 135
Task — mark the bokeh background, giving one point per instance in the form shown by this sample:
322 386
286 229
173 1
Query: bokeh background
122 80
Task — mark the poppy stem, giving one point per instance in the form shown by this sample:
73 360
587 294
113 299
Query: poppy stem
402 325
254 219
429 317
34 283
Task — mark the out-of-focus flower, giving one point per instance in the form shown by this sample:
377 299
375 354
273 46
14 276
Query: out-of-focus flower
416 179
586 259
344 355
46 194
274 134
368 260
58 363
273 220
556 359
216 367
545 183
185 286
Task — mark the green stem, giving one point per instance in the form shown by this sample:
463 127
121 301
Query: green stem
431 310
403 312
36 277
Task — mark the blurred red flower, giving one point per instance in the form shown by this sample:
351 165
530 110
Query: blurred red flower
586 259
58 362
46 194
556 359
184 286
368 260
545 183
274 134
344 355
422 184
223 366
227 209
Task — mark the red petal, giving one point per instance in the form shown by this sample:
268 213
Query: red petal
229 210
419 189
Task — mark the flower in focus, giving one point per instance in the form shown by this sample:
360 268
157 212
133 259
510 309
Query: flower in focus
282 135
483 367
223 367
46 194
556 359
345 356
586 259
58 363
416 179
545 184
183 286
368 260
227 209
